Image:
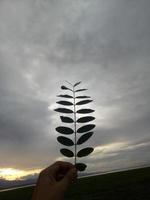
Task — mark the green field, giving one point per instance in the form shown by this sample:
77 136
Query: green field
128 185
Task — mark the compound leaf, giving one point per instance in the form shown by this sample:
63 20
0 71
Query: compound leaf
85 119
65 103
85 128
84 111
85 152
76 84
66 119
65 96
83 102
65 141
80 90
64 130
67 152
84 138
80 166
83 97
63 110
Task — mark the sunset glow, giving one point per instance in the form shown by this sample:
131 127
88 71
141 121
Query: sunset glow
15 174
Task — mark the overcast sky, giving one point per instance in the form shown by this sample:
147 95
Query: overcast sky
104 44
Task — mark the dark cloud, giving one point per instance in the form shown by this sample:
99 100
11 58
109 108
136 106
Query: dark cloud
103 43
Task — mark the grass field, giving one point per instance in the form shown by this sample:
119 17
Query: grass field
128 185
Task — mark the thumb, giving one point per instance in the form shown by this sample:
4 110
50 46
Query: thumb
68 179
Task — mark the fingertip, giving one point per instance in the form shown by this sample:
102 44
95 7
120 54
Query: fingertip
74 170
73 173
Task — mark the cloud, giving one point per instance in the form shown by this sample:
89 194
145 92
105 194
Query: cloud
103 43
119 155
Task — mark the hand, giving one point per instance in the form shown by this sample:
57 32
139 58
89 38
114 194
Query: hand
54 181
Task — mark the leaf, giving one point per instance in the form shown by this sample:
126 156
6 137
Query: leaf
65 103
84 111
65 141
65 88
76 84
83 102
85 152
85 119
67 152
64 130
65 96
82 97
80 166
63 110
84 138
80 90
85 128
66 119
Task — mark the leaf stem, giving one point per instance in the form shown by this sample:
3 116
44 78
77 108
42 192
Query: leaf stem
75 127
69 83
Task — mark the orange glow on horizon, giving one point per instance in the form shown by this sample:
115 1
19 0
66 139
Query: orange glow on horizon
16 174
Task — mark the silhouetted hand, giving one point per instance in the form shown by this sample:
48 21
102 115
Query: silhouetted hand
54 181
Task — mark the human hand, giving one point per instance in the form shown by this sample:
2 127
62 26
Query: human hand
54 181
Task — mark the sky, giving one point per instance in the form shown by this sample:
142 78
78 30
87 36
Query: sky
104 44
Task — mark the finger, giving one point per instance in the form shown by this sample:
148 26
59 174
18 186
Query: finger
68 179
60 169
57 167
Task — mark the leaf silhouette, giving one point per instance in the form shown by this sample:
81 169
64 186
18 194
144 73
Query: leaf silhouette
65 141
85 128
65 103
64 130
80 166
85 119
65 88
85 152
80 90
83 102
76 84
84 111
75 101
66 119
63 110
67 152
83 97
65 96
84 138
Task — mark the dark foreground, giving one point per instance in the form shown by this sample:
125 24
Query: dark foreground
129 185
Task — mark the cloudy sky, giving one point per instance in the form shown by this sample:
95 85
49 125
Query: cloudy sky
104 44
